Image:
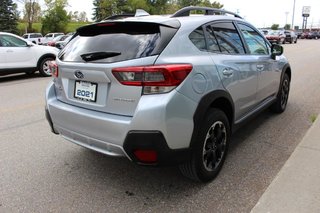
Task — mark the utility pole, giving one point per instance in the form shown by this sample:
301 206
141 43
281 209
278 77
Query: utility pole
287 13
294 8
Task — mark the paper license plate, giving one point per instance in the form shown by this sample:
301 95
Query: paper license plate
85 91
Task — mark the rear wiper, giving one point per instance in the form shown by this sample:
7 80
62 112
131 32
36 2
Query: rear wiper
98 55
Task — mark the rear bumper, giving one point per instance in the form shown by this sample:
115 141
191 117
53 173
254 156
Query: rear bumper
154 140
116 135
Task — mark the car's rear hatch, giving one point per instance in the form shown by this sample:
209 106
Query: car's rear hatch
85 65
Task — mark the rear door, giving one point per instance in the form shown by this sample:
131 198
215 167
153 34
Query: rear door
236 68
86 64
265 66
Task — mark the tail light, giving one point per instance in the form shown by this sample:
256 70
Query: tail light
54 69
154 79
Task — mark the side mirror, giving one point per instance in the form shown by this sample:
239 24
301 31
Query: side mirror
29 44
276 50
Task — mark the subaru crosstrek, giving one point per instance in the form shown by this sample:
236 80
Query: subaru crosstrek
165 90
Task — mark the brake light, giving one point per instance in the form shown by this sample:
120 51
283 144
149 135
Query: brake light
153 79
54 69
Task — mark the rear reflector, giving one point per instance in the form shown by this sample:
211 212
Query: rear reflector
146 156
154 79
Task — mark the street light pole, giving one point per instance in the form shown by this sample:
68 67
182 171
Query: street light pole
294 8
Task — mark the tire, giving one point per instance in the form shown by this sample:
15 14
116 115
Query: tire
291 40
296 40
284 41
44 67
282 98
210 147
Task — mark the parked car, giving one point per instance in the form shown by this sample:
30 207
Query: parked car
264 31
35 38
61 44
57 39
313 35
291 37
50 37
276 36
18 55
298 33
170 92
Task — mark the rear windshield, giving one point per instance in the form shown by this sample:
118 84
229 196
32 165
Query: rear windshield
114 42
35 35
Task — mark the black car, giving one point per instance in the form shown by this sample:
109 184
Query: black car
291 37
314 35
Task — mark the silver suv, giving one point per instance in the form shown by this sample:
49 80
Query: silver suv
163 90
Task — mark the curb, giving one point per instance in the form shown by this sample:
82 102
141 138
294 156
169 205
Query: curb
296 188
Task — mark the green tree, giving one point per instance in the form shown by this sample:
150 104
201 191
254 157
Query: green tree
275 26
105 8
8 16
202 3
56 17
32 13
287 26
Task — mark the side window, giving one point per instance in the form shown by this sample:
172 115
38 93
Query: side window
255 42
228 38
198 39
212 41
10 41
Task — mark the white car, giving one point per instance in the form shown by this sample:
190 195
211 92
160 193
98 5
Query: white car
35 38
18 55
50 37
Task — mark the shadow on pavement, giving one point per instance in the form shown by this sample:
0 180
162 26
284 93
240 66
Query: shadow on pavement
19 77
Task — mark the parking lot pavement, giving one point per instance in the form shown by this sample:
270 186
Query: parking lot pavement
297 186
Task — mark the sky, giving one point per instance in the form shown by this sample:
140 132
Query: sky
261 13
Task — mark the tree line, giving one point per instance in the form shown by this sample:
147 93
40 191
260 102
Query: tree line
55 17
105 8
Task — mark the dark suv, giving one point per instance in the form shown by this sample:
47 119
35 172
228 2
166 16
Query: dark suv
164 90
291 37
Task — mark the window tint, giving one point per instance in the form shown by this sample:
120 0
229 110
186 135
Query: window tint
255 42
228 38
10 41
121 41
212 41
25 36
35 36
198 39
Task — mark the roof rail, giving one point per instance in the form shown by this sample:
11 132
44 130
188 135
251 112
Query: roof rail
208 11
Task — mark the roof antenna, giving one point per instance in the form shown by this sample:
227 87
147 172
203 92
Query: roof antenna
140 12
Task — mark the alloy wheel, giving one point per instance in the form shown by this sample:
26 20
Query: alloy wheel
284 93
214 146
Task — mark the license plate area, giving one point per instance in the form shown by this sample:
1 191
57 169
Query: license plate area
85 91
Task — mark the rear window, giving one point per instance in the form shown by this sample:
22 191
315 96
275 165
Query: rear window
35 35
113 42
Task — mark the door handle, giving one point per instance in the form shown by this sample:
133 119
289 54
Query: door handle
227 72
260 67
9 51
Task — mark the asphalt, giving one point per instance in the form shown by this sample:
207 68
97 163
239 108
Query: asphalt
296 187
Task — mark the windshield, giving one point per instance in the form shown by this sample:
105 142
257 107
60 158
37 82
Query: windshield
274 33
